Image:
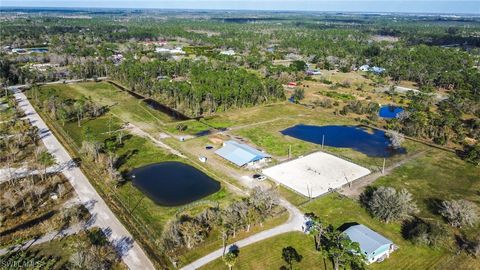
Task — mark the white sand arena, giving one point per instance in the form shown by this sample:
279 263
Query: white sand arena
315 174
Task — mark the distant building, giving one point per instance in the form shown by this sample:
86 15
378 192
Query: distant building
313 72
374 69
228 52
177 50
373 245
19 51
364 68
241 154
377 70
292 84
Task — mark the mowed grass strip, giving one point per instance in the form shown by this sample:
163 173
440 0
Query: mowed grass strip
267 254
120 103
437 175
133 152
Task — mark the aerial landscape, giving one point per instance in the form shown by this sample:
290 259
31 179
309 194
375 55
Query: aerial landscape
255 135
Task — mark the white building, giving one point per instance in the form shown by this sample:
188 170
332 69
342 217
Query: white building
228 52
364 68
177 50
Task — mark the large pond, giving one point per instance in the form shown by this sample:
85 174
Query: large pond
173 183
389 111
372 143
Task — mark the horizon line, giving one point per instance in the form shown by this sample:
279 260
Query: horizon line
240 9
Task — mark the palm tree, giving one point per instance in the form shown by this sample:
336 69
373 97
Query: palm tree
341 250
316 228
230 259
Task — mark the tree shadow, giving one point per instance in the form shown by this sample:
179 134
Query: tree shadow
434 205
367 195
234 249
122 245
121 160
347 225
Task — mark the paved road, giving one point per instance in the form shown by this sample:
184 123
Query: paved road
133 256
294 223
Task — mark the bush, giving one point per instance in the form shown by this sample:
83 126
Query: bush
427 233
389 205
472 154
181 127
459 213
298 95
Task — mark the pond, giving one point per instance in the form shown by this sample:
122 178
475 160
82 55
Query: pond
389 111
372 143
38 50
154 104
173 183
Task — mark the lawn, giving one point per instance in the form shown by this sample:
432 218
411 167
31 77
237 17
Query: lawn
120 103
437 175
144 214
214 242
268 137
337 210
267 254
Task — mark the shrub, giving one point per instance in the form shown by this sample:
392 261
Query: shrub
426 232
298 95
459 213
396 139
181 127
389 205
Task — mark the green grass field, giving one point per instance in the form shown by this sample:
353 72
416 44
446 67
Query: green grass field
268 254
148 216
268 136
120 103
437 175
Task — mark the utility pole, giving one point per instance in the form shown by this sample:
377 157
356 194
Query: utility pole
323 140
383 167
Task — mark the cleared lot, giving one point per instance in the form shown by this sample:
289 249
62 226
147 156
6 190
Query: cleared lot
315 174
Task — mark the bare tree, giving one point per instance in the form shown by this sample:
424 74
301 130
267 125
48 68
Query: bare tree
389 205
460 213
396 139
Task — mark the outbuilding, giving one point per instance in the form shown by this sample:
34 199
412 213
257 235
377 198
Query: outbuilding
364 68
374 246
241 154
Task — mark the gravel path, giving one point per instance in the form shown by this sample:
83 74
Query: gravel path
102 217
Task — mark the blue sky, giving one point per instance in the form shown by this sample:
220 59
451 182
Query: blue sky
430 6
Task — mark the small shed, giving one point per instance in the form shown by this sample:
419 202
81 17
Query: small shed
364 68
241 154
373 245
377 70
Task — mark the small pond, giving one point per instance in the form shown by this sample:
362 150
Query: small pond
372 143
389 111
38 50
173 183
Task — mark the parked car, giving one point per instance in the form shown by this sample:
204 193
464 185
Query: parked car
259 177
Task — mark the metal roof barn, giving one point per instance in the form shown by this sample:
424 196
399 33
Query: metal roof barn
240 154
372 244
